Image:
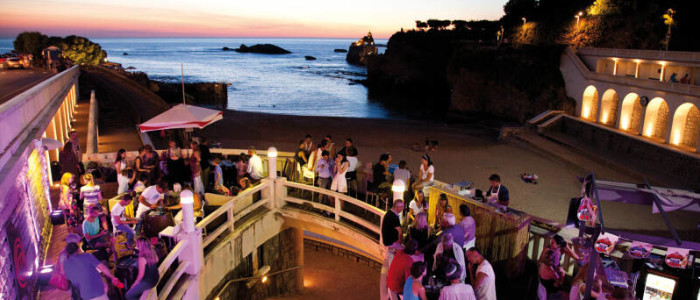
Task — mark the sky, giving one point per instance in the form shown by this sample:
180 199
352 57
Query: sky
233 18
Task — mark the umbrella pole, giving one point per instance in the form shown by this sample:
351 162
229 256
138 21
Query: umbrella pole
182 69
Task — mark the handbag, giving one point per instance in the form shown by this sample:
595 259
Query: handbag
59 281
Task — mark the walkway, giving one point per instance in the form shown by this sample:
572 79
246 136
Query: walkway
327 275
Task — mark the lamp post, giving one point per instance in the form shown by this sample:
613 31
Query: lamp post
187 203
524 21
578 18
398 187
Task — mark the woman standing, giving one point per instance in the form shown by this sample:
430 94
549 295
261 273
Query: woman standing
122 167
90 193
420 231
148 275
68 204
196 170
67 160
175 163
340 183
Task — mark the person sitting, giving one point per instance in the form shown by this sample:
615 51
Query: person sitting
442 207
400 269
83 270
685 79
457 290
456 231
255 167
380 173
484 279
121 222
147 276
426 173
95 231
468 225
497 193
417 205
448 250
413 288
151 198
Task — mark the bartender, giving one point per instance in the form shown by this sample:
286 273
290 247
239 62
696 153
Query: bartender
497 193
151 198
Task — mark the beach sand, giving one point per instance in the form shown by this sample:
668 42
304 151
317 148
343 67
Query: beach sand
468 152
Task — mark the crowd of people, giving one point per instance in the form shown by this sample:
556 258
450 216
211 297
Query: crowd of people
145 184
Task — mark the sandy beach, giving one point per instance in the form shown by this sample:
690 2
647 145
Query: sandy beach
468 152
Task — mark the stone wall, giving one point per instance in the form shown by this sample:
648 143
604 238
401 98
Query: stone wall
649 157
280 254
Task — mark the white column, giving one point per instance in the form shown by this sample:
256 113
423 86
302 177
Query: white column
272 176
636 71
193 252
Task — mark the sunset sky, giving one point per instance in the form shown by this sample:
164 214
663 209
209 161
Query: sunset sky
237 18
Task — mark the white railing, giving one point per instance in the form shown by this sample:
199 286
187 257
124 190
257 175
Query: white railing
171 280
673 87
31 108
643 54
234 208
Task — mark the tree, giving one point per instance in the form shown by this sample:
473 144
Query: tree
82 51
421 25
30 43
459 24
603 7
438 24
670 21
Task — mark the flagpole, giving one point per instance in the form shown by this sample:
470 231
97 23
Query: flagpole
182 69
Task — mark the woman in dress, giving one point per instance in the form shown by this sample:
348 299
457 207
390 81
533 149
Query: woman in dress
68 203
442 208
122 167
340 183
147 276
90 193
175 163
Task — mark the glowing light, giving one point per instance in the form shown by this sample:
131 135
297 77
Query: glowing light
586 112
625 123
186 197
676 138
307 282
272 152
649 131
264 279
604 118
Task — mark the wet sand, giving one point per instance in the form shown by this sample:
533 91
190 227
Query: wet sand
468 152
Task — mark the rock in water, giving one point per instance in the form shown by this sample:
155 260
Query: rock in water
360 50
226 49
262 48
125 53
340 50
308 57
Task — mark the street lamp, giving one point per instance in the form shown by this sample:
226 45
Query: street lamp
524 21
578 18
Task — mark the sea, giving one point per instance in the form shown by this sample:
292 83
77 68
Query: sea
279 84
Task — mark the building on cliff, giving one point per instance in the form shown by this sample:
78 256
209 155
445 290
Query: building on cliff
361 49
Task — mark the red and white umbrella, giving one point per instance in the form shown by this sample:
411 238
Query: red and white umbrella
182 116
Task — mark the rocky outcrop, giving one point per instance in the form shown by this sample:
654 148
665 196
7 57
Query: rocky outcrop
340 50
438 72
309 57
262 48
361 50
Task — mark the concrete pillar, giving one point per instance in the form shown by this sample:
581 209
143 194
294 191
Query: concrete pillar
669 125
194 255
663 71
636 70
92 126
298 235
60 132
51 133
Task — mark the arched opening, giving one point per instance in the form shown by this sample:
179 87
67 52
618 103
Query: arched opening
656 118
589 105
631 114
608 107
686 125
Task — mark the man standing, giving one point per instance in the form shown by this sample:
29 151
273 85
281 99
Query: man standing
403 173
204 157
456 231
391 225
457 290
323 167
73 138
255 168
400 269
83 270
151 198
497 193
449 252
348 144
484 280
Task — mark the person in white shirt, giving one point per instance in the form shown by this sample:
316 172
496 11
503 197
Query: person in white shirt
351 174
255 168
457 290
403 173
417 205
151 198
121 221
484 279
468 225
427 173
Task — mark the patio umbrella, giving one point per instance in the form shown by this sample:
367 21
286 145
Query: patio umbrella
182 116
